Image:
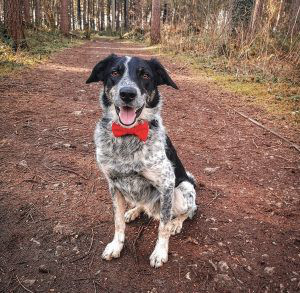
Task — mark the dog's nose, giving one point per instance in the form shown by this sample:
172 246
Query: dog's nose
128 94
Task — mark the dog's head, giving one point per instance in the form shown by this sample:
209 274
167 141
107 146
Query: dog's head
130 86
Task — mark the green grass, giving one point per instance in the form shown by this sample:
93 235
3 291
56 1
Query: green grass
41 44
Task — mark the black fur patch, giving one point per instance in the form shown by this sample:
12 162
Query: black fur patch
180 173
105 100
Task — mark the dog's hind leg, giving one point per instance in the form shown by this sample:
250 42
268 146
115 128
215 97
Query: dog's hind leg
184 205
133 213
114 248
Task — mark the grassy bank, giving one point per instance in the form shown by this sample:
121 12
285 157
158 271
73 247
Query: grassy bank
41 44
279 98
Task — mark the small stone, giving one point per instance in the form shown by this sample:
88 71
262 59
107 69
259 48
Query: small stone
209 170
35 241
293 279
58 228
43 269
188 276
23 163
28 282
223 266
67 145
269 270
56 146
77 113
222 278
59 250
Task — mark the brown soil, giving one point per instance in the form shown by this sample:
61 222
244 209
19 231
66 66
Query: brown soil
56 213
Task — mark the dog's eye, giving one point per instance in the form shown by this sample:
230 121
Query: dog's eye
115 73
146 76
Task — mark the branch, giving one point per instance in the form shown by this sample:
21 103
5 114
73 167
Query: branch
295 146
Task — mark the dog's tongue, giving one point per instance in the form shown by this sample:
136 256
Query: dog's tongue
127 115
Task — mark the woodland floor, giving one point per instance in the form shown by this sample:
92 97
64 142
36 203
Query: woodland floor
56 213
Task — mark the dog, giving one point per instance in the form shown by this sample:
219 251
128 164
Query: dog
136 155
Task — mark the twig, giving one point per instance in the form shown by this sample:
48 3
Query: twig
26 289
71 171
217 195
254 143
67 170
295 146
95 288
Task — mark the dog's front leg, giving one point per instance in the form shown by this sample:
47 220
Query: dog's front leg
164 181
114 248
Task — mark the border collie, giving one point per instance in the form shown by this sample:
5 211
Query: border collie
136 155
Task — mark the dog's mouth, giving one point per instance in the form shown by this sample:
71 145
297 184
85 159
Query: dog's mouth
128 115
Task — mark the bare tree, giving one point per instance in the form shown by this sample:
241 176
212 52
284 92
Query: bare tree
79 14
14 23
256 16
64 22
26 7
155 22
38 14
125 15
113 14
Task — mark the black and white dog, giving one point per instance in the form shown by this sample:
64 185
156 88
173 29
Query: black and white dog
135 153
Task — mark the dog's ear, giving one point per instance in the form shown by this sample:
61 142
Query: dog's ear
98 72
161 75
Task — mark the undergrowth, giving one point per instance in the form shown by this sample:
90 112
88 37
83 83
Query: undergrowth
41 44
270 82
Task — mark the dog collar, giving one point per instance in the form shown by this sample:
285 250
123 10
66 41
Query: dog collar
141 130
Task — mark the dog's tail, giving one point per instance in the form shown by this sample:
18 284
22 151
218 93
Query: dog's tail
192 179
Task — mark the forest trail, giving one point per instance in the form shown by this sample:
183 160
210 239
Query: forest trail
56 213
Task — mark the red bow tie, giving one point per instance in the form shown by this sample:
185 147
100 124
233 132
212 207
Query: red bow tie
140 130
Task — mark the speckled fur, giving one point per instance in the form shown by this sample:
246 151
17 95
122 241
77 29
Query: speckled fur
141 173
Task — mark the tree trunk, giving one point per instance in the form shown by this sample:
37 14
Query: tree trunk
108 15
86 20
84 14
26 8
279 15
294 25
118 4
256 16
38 15
125 15
90 16
113 14
64 22
14 23
155 22
72 16
102 23
79 14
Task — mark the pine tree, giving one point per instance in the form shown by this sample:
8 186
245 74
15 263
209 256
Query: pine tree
14 23
155 22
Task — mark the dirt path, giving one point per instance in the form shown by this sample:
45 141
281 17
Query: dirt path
56 214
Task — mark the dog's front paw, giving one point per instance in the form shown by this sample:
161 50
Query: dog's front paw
158 257
176 226
132 214
112 250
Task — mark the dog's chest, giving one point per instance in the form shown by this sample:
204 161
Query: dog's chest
124 160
